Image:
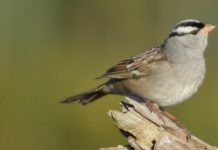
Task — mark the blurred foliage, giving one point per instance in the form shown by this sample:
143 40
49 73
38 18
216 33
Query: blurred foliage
51 49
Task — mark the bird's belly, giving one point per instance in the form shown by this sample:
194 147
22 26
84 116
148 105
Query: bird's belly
167 85
172 94
166 91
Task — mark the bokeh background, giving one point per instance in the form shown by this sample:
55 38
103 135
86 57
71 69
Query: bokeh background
51 49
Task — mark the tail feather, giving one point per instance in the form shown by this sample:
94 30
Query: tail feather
89 96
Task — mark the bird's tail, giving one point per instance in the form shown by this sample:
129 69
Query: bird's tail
89 96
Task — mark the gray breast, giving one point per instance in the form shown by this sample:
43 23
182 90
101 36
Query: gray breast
167 84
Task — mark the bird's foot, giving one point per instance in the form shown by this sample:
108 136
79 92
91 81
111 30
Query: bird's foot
154 107
178 123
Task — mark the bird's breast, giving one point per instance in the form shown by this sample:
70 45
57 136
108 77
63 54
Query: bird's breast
167 84
181 81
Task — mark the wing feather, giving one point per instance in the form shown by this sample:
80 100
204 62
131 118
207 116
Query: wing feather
136 67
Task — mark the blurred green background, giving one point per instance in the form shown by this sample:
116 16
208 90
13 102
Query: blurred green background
51 49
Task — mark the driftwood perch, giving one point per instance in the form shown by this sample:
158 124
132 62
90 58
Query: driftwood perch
146 131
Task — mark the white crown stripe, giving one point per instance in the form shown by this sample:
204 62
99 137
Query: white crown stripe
184 29
189 20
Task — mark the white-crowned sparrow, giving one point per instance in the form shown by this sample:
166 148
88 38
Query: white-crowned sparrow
167 75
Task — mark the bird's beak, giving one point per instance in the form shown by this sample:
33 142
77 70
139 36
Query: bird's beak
208 28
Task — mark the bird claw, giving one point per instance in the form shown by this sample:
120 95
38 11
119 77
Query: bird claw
154 107
178 124
184 129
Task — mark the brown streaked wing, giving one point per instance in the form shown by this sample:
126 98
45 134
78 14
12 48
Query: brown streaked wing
135 67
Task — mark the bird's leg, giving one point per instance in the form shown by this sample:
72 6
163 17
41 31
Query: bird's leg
154 107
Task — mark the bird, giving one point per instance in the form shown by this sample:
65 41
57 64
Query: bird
167 74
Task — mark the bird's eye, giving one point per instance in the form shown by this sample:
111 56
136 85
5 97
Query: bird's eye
194 32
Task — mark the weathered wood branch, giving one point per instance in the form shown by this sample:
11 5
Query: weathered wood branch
146 130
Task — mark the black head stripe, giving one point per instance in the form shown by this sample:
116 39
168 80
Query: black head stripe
187 23
198 25
176 34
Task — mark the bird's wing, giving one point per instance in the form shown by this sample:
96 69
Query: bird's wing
136 67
